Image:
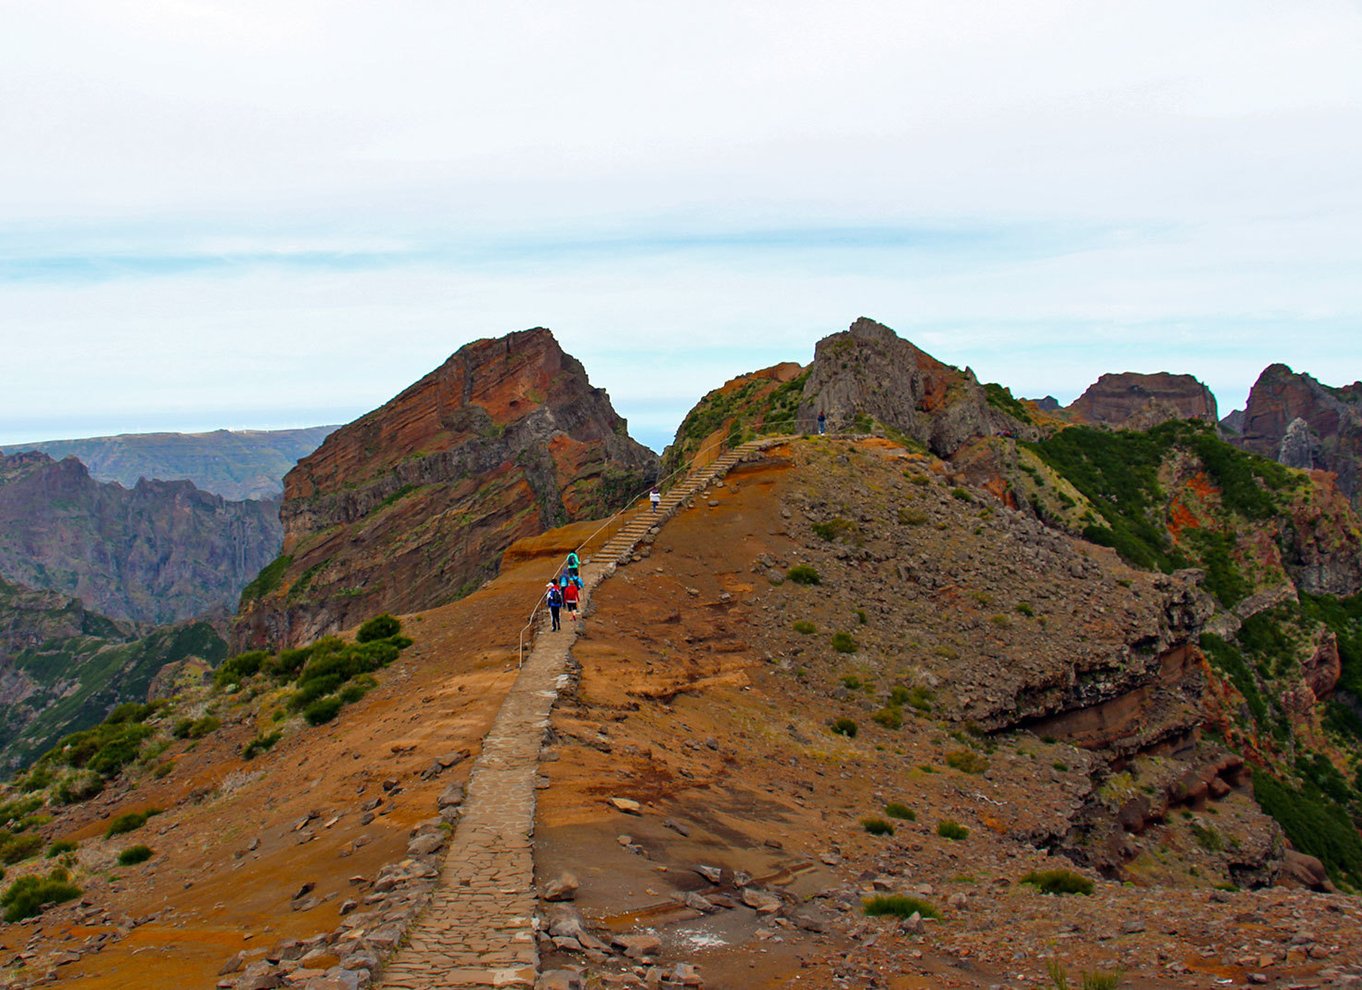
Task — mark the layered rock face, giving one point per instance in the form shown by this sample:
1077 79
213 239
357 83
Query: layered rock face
869 371
236 464
161 552
1136 402
1294 419
412 505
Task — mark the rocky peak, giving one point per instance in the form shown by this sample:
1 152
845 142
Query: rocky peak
869 371
1130 400
1293 418
411 505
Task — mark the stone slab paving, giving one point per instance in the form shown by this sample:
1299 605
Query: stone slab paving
478 930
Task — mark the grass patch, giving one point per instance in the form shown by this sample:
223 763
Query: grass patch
877 826
805 628
129 822
843 642
803 574
952 830
890 717
902 811
967 761
134 855
59 847
1058 882
898 906
27 896
260 744
843 727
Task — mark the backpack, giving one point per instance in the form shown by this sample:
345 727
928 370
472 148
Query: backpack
555 598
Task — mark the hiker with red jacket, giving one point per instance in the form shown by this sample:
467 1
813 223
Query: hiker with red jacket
570 598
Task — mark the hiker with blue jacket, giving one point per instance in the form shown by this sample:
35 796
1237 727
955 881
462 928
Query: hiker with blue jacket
554 599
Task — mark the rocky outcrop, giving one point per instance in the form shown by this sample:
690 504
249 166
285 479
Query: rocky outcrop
1135 401
236 464
1294 419
412 505
868 373
160 552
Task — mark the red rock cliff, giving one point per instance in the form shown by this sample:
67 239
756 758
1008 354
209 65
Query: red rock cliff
412 505
1134 401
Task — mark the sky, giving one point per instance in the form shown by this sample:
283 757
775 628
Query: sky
276 214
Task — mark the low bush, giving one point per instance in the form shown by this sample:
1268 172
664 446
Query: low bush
129 822
911 517
835 529
952 830
195 728
896 810
322 711
1058 882
967 761
27 896
843 642
133 855
877 826
1207 838
844 727
962 494
899 906
236 669
379 627
79 785
59 847
890 717
803 574
260 744
16 848
805 628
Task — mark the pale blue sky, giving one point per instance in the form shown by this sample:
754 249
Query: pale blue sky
280 214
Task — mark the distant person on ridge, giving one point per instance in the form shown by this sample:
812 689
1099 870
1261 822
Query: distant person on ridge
554 598
570 598
822 423
574 565
655 497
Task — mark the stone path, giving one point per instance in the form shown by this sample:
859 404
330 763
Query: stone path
478 930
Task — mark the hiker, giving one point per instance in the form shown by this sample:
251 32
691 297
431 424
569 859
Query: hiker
574 566
554 598
570 598
822 423
655 497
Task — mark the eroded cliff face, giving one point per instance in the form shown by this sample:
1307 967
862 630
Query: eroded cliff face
163 551
869 373
1294 419
412 505
1136 401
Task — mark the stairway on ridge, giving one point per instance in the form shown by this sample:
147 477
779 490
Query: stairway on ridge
621 546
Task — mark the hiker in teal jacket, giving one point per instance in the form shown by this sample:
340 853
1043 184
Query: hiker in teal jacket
574 566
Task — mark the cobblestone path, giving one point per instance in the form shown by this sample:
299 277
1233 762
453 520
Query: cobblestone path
479 928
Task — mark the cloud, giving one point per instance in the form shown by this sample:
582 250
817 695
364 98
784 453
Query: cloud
295 209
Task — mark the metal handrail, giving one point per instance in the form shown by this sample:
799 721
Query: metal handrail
629 505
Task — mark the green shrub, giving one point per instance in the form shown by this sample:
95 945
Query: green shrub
967 761
260 744
1058 882
899 906
59 847
844 727
1207 838
877 826
133 855
952 830
27 896
323 710
805 628
835 529
896 810
803 574
267 580
379 627
16 848
188 728
129 822
236 669
843 642
79 785
909 516
962 494
163 769
1314 823
890 717
916 697
129 711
